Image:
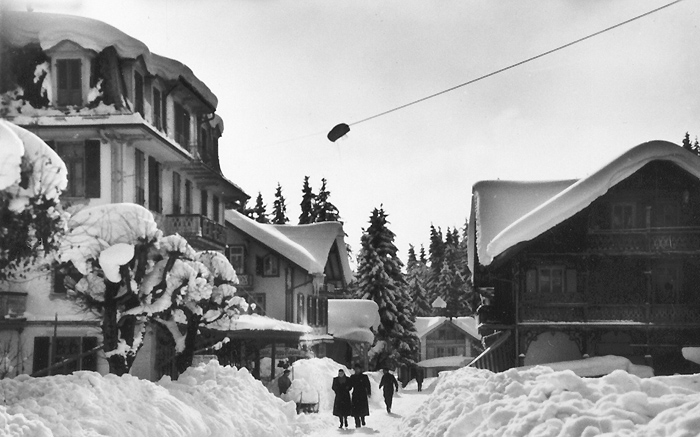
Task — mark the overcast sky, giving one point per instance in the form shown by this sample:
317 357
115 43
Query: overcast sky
286 72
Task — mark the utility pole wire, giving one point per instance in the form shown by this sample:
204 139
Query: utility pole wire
519 63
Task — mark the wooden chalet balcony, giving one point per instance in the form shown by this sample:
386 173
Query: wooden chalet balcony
653 314
647 240
201 232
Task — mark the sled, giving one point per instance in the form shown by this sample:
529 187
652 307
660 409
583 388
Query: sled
308 407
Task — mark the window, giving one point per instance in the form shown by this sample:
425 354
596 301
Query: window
46 354
311 308
139 178
182 126
188 197
138 93
623 216
203 144
155 203
83 164
667 282
550 280
215 208
267 266
204 201
668 215
257 299
158 106
63 274
236 256
69 81
301 315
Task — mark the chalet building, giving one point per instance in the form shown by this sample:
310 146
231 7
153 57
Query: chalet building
605 265
132 127
446 343
290 272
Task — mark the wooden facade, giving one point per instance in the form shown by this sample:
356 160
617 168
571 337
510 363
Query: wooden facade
620 277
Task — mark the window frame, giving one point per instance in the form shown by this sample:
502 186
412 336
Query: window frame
177 193
139 88
84 344
238 258
69 96
624 221
550 269
139 177
270 266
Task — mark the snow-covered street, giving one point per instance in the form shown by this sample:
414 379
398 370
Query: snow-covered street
379 422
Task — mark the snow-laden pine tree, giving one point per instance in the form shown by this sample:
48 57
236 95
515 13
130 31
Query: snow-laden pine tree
379 278
308 201
324 210
32 177
279 208
416 278
259 211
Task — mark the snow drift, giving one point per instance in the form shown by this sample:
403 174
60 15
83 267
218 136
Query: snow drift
542 402
209 400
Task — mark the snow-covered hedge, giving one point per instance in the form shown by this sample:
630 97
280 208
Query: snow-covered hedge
209 400
542 402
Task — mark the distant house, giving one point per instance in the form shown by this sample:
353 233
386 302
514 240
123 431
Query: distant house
608 264
446 343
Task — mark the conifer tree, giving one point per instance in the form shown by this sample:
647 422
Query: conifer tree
687 145
423 258
308 201
259 212
279 209
324 210
379 278
416 278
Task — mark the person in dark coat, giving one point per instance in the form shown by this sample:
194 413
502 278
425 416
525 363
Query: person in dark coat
419 378
389 383
361 391
284 382
342 406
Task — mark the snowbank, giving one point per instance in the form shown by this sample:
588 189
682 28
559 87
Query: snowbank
539 401
312 379
598 366
209 400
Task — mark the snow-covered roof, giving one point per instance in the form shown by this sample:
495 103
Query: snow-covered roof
454 361
505 213
49 30
351 319
426 325
308 246
256 322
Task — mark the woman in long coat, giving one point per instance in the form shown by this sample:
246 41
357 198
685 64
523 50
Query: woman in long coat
361 391
342 406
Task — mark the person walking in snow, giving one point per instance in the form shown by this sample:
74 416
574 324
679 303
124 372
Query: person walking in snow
419 378
389 383
284 382
361 391
342 406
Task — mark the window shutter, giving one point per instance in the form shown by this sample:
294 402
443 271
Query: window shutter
89 362
42 345
531 281
92 168
571 281
300 309
259 266
310 316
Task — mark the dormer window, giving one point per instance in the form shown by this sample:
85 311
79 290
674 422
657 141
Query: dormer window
70 84
182 126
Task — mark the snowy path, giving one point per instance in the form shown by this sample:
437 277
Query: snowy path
379 422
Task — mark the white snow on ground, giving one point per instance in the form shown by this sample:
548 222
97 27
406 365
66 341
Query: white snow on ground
542 402
597 366
209 400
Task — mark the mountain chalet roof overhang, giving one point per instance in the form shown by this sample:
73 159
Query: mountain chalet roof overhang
505 214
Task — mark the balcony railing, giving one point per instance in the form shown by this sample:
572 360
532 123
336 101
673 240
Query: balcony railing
197 227
611 313
649 240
